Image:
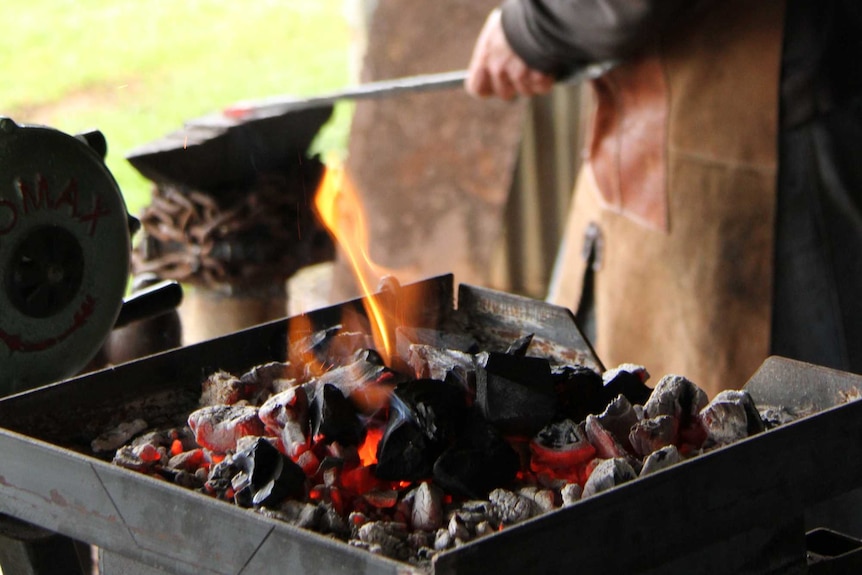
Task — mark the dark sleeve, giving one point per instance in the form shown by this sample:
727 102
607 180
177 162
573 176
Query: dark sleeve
556 36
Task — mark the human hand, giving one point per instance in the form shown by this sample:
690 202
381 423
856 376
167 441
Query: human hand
496 70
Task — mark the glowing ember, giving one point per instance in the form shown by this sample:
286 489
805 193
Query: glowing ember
368 450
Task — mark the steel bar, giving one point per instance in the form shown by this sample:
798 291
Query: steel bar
277 105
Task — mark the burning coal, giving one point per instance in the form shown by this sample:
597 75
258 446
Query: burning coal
453 444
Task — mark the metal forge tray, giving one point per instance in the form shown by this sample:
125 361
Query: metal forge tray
737 508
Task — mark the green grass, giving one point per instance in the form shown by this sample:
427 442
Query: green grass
137 70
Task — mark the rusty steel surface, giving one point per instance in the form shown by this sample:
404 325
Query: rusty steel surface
749 496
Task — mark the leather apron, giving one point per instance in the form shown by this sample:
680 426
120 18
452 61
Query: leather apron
674 208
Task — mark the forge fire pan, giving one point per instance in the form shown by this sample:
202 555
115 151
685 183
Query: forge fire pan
724 508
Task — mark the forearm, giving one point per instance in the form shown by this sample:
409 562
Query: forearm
555 36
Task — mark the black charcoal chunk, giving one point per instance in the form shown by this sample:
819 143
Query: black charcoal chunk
424 416
334 418
403 453
629 380
562 435
515 393
520 346
267 477
479 461
219 480
579 392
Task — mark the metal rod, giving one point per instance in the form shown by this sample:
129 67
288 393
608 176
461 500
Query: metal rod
276 105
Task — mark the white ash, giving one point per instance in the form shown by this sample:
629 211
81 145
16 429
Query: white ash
219 427
571 493
143 458
676 396
220 388
606 444
648 435
773 416
432 362
285 415
618 418
476 511
118 436
730 417
513 508
543 498
661 459
484 528
443 540
607 474
162 438
426 507
267 379
386 538
247 442
458 528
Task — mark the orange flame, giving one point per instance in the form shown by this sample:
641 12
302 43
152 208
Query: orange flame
340 209
368 449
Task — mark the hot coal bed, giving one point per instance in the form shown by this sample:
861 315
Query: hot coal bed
493 439
458 443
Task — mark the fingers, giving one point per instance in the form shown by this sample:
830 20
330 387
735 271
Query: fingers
529 82
479 82
495 70
503 85
540 83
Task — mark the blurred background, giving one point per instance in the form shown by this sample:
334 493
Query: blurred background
452 184
136 70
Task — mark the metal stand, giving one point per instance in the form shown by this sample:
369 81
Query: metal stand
29 550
